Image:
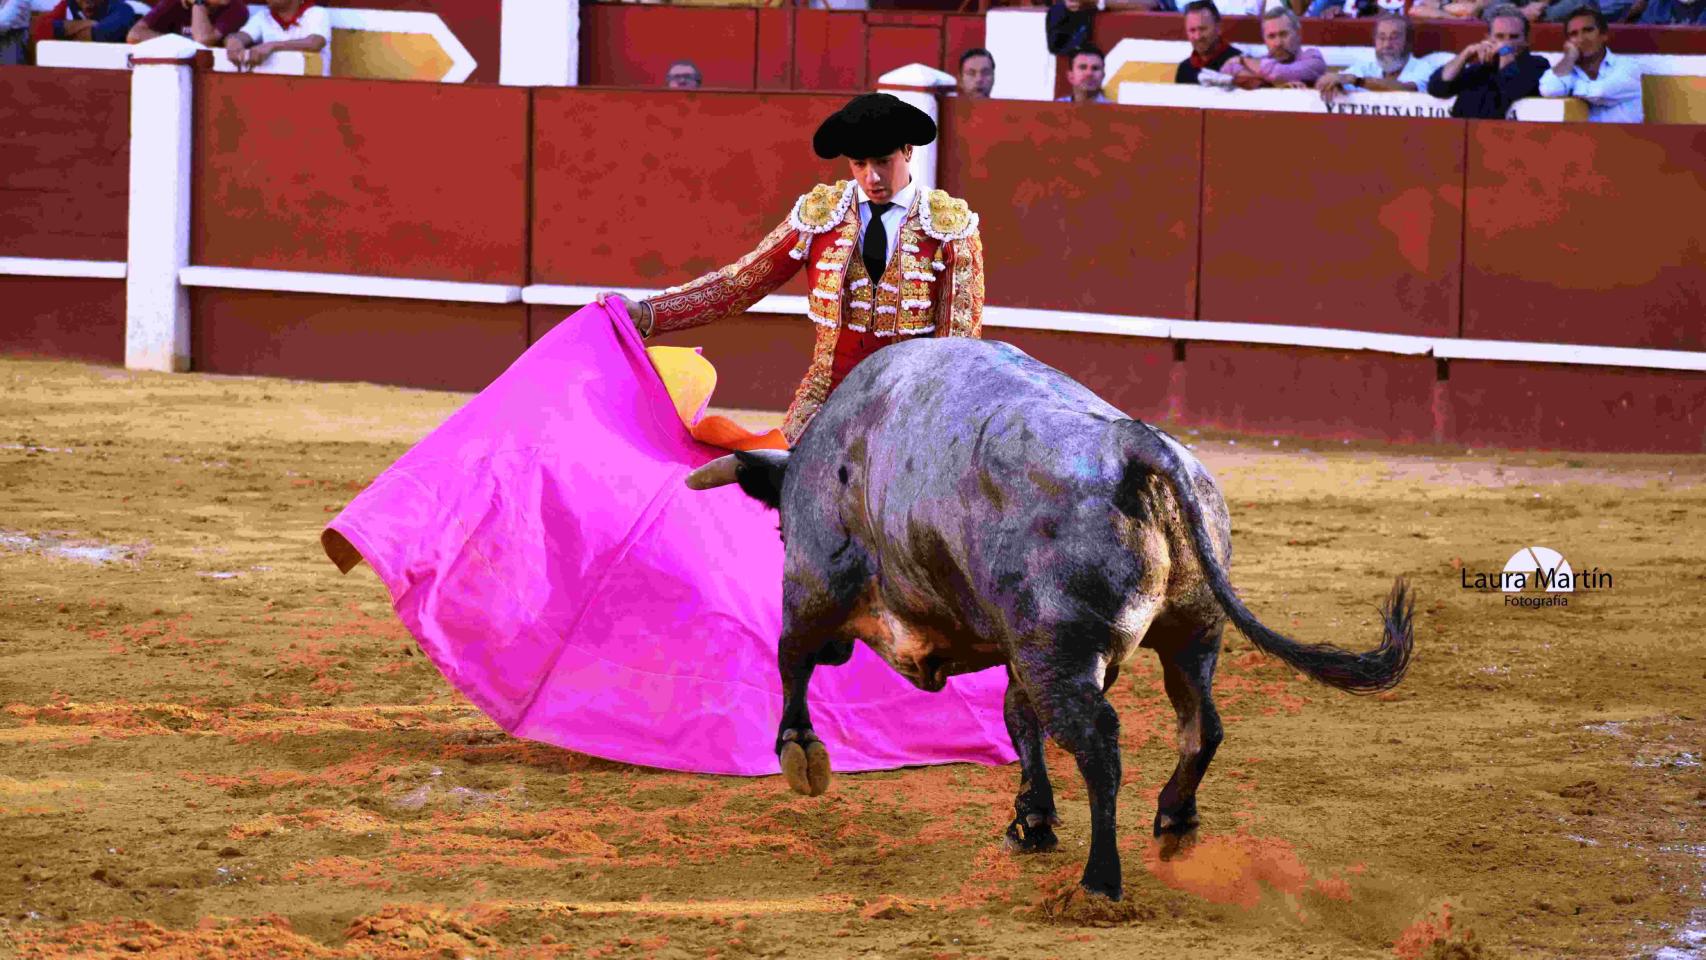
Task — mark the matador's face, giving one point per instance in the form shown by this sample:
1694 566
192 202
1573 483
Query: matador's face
881 177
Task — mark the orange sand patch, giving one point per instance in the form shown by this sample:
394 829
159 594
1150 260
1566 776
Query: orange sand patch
1234 869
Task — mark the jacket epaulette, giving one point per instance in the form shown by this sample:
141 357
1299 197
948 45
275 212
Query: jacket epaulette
822 207
945 217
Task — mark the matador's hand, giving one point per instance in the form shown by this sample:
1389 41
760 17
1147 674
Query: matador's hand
637 315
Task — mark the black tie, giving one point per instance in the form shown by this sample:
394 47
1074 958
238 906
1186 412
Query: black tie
876 242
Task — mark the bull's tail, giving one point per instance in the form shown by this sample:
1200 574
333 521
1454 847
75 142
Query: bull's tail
758 472
1375 670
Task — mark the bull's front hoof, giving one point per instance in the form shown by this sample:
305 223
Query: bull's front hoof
1032 834
1107 889
806 766
1171 846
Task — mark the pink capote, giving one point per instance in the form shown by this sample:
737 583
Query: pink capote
542 548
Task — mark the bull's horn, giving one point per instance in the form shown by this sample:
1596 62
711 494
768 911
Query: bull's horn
714 474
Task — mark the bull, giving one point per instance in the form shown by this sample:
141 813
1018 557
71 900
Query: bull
956 505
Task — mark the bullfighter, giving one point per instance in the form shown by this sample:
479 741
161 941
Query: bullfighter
887 259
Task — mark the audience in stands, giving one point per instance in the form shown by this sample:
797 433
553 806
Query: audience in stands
1209 50
1085 73
14 31
683 75
1610 84
1441 9
1392 67
283 25
207 22
102 21
1288 63
1665 13
1489 76
977 73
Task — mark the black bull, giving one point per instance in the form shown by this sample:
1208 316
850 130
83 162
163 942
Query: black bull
957 505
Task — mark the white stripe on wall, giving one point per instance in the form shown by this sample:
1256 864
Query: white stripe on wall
1569 353
349 285
38 267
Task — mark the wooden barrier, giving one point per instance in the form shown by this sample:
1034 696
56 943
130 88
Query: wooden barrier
404 180
654 188
1586 234
64 163
1361 230
1069 205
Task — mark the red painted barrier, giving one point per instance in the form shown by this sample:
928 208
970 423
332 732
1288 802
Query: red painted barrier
410 180
1570 407
654 188
1360 229
64 163
1336 394
1080 209
72 319
417 343
1586 233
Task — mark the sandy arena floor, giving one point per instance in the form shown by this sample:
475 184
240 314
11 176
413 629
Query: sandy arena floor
213 744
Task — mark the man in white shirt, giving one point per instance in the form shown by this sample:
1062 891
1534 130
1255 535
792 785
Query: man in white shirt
1610 84
1391 68
283 25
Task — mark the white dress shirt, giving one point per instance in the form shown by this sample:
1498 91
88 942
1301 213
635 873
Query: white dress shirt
1615 97
893 217
315 21
1416 70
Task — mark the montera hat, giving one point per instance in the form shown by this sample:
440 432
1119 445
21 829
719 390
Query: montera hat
872 125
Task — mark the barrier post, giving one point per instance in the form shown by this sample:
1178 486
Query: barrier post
540 43
157 308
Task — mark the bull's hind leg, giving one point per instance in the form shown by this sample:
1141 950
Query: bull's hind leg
1188 658
1069 700
1034 820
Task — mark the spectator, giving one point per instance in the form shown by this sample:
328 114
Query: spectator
1209 50
1610 84
14 31
1392 68
1288 63
1669 12
1067 25
283 25
102 21
977 73
1489 76
1085 74
683 75
207 22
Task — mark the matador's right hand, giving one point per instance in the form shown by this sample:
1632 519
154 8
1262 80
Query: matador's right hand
637 314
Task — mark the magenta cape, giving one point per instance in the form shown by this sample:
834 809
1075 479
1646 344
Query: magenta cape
542 548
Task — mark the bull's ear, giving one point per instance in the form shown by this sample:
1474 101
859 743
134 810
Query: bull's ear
717 473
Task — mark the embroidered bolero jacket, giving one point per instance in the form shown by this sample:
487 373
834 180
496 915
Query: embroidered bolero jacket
933 286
